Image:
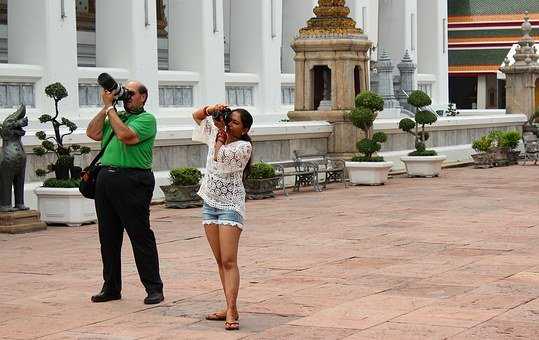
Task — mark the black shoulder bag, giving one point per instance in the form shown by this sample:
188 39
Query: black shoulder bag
88 176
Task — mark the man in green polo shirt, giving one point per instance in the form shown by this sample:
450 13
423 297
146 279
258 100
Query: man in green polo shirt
124 191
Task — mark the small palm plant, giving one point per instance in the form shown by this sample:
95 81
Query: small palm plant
63 166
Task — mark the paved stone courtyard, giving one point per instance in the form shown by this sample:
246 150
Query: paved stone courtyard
454 257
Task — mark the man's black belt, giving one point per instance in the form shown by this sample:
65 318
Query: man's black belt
121 169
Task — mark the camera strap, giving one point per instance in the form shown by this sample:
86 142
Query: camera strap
102 151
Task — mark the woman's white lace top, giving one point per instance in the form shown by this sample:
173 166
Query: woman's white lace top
222 185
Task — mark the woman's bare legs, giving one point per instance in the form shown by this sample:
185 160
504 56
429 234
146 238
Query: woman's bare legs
212 234
228 242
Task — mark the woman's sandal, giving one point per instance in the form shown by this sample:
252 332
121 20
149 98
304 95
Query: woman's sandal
232 325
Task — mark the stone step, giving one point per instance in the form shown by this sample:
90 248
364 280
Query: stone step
22 227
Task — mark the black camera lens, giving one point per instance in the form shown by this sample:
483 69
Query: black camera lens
107 82
224 114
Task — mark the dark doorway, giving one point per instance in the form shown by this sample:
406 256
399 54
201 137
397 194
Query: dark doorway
322 85
501 93
463 91
357 80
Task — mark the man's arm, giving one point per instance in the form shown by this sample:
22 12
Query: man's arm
95 127
122 131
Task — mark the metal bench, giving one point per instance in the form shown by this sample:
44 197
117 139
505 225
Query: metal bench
332 169
304 174
531 147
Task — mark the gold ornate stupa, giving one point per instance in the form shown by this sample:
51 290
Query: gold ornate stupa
331 19
332 67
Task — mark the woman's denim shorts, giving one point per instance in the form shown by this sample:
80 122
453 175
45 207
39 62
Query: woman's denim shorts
211 215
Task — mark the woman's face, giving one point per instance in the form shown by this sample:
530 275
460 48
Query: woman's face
235 125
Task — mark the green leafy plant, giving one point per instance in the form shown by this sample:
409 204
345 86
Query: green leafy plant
63 166
483 144
423 116
185 176
61 183
368 104
261 170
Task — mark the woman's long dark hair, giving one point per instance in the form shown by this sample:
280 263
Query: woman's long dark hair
247 121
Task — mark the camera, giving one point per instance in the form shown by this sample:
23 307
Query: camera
224 114
109 84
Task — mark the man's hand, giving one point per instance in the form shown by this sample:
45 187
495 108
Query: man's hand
107 97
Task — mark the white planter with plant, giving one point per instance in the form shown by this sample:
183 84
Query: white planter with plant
59 199
421 162
368 169
64 206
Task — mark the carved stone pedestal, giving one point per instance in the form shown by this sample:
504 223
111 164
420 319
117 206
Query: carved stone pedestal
19 222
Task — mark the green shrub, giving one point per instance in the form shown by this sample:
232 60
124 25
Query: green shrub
422 117
61 183
423 153
483 144
185 176
510 140
363 116
55 143
370 100
261 170
419 99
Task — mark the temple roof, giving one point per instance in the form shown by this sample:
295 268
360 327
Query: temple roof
490 7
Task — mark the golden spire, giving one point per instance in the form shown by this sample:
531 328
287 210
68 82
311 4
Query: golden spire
331 19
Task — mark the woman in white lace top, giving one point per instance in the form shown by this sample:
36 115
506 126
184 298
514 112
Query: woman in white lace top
223 213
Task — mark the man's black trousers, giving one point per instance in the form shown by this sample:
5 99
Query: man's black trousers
122 201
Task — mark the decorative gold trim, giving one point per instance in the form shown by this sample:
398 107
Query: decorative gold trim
331 19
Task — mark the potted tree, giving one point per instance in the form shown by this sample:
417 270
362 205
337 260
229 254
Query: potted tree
261 181
59 199
421 162
182 193
367 168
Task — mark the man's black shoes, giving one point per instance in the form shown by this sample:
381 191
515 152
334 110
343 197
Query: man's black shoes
154 298
104 296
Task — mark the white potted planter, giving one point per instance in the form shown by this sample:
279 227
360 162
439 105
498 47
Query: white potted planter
423 166
368 173
64 206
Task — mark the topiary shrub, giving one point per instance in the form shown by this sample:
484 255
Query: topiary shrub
261 170
510 140
420 100
367 106
185 176
62 127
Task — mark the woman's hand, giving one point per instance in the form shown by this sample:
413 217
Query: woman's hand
220 124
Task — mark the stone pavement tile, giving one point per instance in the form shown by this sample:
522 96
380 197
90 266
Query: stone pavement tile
69 335
417 269
448 316
348 268
138 324
462 278
330 290
405 331
525 277
250 323
503 330
290 332
380 282
429 290
182 333
291 304
36 326
523 313
473 300
363 313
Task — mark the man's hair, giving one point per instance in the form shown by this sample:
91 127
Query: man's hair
143 90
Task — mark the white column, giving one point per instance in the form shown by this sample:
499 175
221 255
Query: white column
365 13
432 45
126 37
481 92
397 28
196 44
256 47
39 35
295 16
